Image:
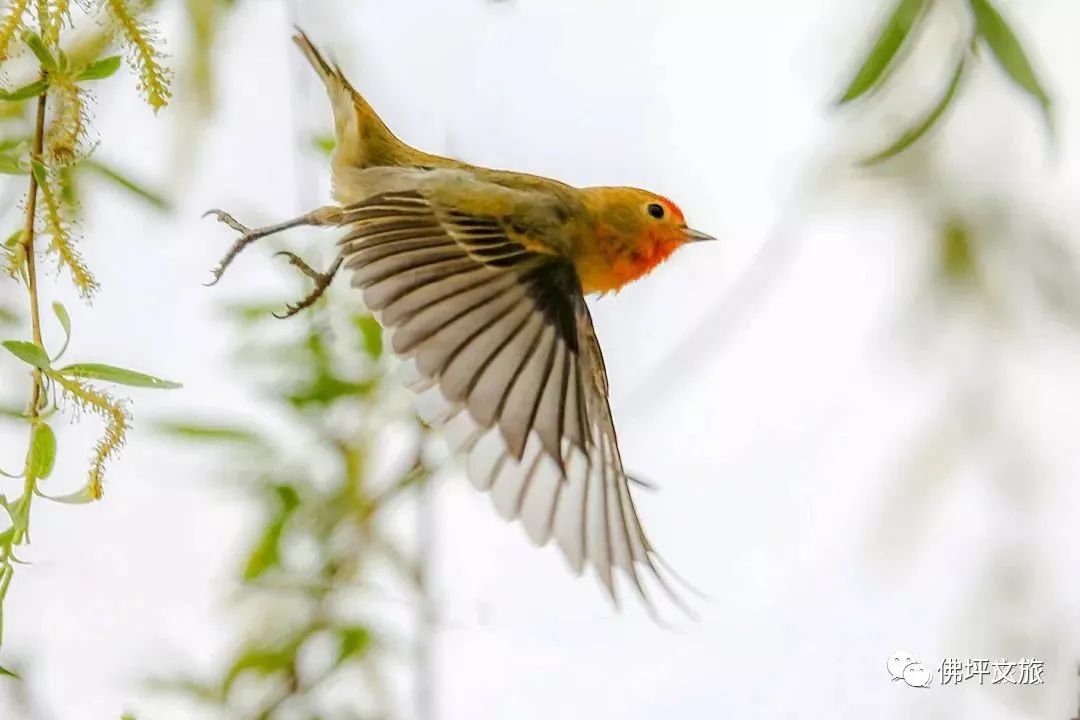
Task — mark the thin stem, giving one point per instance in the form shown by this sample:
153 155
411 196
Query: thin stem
35 310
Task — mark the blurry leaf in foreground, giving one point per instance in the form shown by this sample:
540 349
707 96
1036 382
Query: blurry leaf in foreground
913 135
353 641
195 430
993 28
266 554
108 373
371 334
11 166
879 62
324 143
151 197
4 672
262 661
10 411
956 254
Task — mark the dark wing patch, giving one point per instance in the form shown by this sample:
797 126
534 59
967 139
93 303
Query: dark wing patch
503 353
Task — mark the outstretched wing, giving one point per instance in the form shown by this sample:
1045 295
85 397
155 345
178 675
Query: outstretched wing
501 346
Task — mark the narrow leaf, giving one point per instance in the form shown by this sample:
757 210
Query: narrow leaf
879 62
25 92
28 352
206 432
155 199
79 497
108 373
37 46
912 136
993 28
13 412
100 69
8 673
42 452
11 166
38 168
65 322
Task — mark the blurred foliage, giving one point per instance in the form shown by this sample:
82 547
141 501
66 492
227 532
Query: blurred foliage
309 567
990 31
998 272
45 143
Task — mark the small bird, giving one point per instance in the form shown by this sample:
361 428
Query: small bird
480 278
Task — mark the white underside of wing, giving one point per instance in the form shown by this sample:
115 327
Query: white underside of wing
588 511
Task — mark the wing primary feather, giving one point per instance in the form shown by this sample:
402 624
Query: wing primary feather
400 309
476 333
415 338
481 367
513 381
523 491
366 253
380 296
545 378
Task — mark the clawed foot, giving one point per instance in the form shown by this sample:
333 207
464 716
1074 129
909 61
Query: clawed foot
329 215
247 236
322 282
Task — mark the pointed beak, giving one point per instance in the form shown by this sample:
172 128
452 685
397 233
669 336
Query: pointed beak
697 236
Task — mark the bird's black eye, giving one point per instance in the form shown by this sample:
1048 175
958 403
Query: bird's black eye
656 210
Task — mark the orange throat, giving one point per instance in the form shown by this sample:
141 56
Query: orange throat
612 265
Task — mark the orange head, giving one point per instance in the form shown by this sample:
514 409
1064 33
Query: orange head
633 232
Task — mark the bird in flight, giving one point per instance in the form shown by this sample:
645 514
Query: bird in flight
480 278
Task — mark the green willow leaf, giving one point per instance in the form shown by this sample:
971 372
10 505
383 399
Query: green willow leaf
371 334
79 497
1003 42
12 412
924 126
8 673
353 641
28 352
65 322
25 92
42 452
37 46
154 199
40 173
200 431
879 62
109 373
100 69
11 166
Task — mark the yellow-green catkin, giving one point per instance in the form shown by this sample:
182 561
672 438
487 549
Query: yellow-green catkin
143 55
69 122
117 421
11 20
61 241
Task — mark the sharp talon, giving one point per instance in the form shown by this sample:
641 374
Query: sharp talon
224 217
290 310
302 266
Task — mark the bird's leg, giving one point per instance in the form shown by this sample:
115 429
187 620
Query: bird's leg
322 282
328 215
